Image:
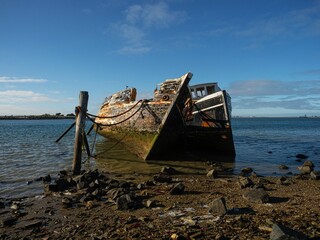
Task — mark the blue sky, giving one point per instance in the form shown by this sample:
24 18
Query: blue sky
266 54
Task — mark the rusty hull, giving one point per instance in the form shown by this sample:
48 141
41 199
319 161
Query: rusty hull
156 126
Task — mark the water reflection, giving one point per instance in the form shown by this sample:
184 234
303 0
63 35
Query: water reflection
113 157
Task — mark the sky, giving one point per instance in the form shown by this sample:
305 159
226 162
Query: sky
265 53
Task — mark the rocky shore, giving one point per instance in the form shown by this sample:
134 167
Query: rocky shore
168 205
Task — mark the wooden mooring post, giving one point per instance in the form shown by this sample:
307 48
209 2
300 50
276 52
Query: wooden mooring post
80 130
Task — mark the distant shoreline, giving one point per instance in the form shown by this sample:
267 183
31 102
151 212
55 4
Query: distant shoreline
72 116
38 117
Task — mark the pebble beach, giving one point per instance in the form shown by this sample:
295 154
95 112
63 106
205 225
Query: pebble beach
168 205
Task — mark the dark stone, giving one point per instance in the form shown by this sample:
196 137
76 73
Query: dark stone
282 180
32 224
150 183
257 196
113 183
7 222
315 175
62 184
125 202
301 156
245 182
218 206
177 189
81 185
246 171
124 184
63 173
283 167
280 232
97 194
92 185
47 178
66 202
50 188
86 198
258 185
162 178
169 170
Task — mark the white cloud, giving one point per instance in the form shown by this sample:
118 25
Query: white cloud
263 94
21 80
129 50
14 96
297 23
139 20
156 15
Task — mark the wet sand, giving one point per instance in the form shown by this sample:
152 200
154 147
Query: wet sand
151 209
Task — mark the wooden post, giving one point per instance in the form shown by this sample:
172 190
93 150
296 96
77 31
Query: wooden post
80 126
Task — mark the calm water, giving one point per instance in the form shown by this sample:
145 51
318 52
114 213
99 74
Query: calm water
28 151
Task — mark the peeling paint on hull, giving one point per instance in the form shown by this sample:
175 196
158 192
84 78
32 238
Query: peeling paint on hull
159 128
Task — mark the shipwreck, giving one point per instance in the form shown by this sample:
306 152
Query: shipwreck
179 119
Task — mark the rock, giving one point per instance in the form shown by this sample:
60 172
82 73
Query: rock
66 202
90 205
62 184
7 222
86 198
124 184
50 188
151 204
258 185
140 186
245 182
246 171
97 194
305 169
212 174
177 189
308 164
115 193
81 185
218 206
63 173
32 224
301 156
112 183
125 202
256 196
162 178
283 233
315 175
283 181
283 167
46 178
169 170
15 206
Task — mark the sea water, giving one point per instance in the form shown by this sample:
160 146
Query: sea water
28 151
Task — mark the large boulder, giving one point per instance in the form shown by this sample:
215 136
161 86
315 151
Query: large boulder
218 206
256 196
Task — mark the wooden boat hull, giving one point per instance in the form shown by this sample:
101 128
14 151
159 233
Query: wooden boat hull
170 124
151 131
